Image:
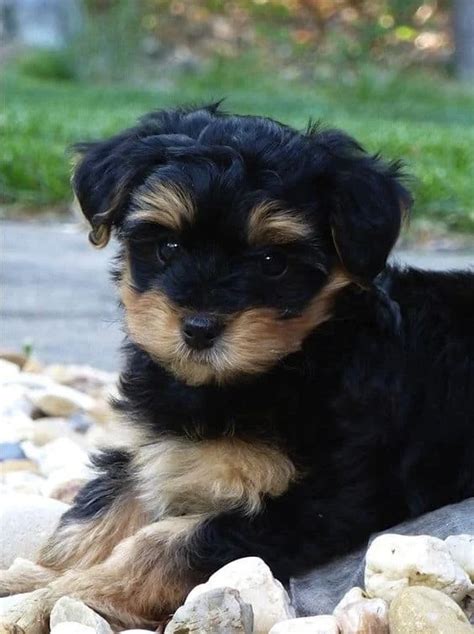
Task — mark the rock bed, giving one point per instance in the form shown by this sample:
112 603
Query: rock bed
52 416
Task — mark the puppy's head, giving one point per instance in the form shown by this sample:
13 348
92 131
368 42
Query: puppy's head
236 233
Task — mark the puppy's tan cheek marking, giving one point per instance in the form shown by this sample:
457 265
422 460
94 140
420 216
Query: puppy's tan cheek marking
270 223
163 203
153 322
178 476
258 337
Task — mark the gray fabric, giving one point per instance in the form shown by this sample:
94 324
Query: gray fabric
320 590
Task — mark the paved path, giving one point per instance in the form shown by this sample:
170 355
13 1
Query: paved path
56 292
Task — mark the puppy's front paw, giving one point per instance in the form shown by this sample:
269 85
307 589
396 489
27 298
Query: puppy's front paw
24 576
30 615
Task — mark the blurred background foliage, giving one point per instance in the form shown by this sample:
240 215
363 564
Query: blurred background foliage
382 69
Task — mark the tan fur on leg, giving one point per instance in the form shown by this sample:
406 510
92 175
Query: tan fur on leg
84 543
143 581
24 576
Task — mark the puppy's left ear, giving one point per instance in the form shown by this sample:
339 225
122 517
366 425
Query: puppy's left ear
366 201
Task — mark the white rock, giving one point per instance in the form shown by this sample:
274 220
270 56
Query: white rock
323 624
351 596
461 548
254 580
60 400
30 380
59 454
394 562
8 369
26 523
7 604
70 627
68 609
81 377
14 401
22 482
217 611
15 427
366 615
50 428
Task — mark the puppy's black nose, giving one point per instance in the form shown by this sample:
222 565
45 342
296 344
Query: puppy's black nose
201 331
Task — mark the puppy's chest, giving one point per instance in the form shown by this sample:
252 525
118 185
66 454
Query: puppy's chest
177 476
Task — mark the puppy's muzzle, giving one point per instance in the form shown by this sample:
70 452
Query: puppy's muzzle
200 331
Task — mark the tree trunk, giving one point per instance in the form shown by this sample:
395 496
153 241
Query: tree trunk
464 38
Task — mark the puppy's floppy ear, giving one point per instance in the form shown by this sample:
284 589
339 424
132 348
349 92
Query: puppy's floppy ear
366 203
104 174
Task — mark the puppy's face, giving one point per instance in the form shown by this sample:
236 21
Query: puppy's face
228 258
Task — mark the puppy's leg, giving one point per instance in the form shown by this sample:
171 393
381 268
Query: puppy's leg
104 513
24 576
145 578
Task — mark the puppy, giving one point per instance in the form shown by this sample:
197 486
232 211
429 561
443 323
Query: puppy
285 393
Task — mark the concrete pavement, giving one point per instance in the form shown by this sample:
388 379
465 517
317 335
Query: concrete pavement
56 292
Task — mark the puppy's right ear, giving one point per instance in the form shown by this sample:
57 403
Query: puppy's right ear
104 175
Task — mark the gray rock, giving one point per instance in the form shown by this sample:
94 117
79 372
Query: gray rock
368 616
71 627
257 586
322 624
11 451
26 523
217 611
68 609
61 400
426 611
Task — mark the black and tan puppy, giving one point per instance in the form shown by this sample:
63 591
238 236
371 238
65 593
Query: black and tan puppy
285 392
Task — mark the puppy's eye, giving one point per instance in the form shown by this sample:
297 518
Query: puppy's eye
167 250
274 264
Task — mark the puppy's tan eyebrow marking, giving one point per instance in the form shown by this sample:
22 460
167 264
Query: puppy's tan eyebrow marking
269 222
166 204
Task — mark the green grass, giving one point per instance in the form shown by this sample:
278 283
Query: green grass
429 123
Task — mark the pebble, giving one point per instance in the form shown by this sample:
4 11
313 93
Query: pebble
14 401
461 548
426 611
50 428
21 615
216 611
323 624
18 358
80 422
394 562
15 427
9 466
59 454
351 596
254 580
368 616
21 481
8 369
64 490
68 609
61 400
27 521
11 451
82 377
7 604
70 627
